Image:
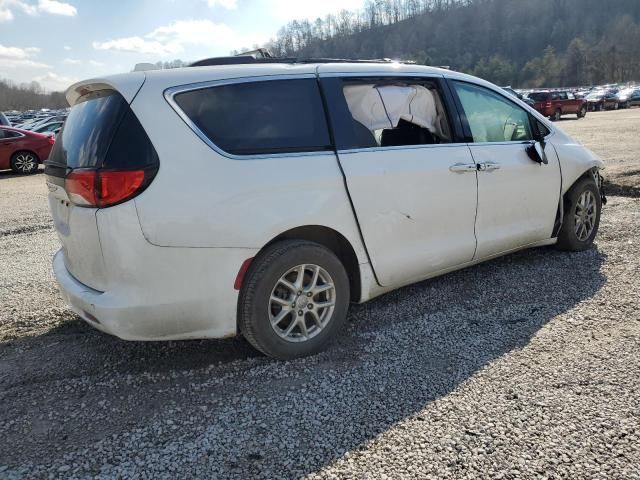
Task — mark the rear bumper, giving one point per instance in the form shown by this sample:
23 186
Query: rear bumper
155 293
44 152
83 300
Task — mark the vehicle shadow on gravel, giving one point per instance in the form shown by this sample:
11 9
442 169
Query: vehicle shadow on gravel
262 417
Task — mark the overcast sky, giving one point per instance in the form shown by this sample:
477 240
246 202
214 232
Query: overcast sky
57 43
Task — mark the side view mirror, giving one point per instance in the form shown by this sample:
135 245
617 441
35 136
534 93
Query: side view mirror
536 152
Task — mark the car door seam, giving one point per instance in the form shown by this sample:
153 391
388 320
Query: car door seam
344 177
475 221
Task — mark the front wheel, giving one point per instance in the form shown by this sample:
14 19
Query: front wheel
24 162
582 207
294 300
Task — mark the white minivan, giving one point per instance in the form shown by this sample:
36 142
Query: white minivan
261 199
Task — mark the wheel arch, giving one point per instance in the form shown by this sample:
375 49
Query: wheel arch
334 241
592 172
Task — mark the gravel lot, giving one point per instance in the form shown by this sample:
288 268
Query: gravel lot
524 367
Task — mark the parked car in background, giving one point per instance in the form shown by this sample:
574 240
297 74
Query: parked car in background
629 97
22 150
310 186
602 100
37 123
558 103
4 121
49 128
518 95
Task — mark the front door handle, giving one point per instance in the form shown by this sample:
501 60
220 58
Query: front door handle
488 166
463 167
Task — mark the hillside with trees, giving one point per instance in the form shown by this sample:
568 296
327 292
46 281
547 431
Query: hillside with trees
517 42
28 96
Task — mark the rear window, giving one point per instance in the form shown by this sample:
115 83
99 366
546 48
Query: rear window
86 136
102 131
539 96
269 117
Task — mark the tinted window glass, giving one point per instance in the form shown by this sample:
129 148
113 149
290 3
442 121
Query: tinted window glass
491 117
130 147
8 134
391 112
87 133
544 131
266 117
539 96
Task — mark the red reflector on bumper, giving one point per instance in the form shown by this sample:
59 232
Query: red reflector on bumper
241 273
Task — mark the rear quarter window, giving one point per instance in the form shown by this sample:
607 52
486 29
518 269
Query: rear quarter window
103 132
253 118
87 133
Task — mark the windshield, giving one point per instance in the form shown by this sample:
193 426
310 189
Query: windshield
595 96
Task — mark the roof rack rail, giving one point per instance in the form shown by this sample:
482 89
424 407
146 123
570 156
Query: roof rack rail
263 55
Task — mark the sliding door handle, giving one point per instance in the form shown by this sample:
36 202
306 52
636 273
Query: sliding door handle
463 167
488 166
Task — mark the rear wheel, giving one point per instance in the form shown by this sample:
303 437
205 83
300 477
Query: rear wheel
24 162
583 112
294 300
582 206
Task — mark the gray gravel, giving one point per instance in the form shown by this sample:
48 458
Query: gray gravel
524 367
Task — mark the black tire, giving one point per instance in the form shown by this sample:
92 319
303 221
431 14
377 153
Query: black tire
264 275
24 162
583 112
557 115
601 107
568 238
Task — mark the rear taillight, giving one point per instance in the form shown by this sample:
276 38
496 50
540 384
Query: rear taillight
81 187
548 105
51 140
103 188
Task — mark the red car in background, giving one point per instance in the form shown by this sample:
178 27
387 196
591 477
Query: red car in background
556 104
22 150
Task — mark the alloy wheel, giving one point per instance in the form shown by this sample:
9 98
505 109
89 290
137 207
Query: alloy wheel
585 215
302 303
25 162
